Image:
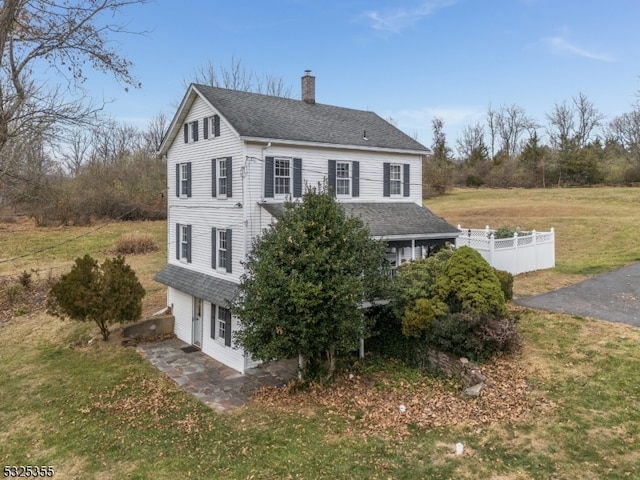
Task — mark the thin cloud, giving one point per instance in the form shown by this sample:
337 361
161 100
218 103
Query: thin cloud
398 19
560 45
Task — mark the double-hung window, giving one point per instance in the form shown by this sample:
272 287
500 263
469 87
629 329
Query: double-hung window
224 325
221 324
191 132
221 180
183 242
222 177
395 179
343 178
282 176
222 249
221 256
184 178
211 127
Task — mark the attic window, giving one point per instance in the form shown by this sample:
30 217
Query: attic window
191 132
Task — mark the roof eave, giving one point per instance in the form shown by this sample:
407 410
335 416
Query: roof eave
416 236
337 146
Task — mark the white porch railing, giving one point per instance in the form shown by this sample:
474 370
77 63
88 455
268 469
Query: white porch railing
518 254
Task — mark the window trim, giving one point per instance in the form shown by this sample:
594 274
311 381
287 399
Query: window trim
183 180
276 176
222 163
348 178
183 242
223 325
396 181
216 251
221 251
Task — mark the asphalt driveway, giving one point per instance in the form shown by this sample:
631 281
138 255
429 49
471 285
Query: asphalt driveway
613 296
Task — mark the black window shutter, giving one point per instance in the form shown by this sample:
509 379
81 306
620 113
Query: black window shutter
205 127
407 183
268 177
227 328
386 179
186 133
214 177
216 125
213 320
188 179
229 252
229 177
178 241
297 177
188 243
331 178
177 179
214 239
195 131
355 179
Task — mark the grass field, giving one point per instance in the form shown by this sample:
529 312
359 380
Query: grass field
99 411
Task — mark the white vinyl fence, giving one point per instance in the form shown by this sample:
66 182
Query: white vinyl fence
518 254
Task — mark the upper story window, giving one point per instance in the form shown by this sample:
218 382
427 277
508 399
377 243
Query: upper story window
395 178
221 181
343 178
221 257
183 179
183 242
211 126
191 132
222 249
222 177
282 176
396 181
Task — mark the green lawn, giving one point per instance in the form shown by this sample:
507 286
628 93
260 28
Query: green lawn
100 411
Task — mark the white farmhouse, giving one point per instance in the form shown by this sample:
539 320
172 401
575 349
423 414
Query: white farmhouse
235 157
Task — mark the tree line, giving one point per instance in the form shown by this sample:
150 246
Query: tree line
576 146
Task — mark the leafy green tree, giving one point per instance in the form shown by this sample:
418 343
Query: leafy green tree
306 278
102 294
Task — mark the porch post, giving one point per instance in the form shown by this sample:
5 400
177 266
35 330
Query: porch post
413 250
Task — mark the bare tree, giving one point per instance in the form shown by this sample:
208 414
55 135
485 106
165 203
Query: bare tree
471 145
113 141
154 134
67 35
625 129
238 77
75 150
508 125
573 123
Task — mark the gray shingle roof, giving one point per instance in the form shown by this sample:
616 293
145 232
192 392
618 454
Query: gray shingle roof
269 117
211 289
391 219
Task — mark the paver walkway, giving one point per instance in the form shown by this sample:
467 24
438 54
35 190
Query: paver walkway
212 382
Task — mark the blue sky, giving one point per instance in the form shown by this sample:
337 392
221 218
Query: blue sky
411 60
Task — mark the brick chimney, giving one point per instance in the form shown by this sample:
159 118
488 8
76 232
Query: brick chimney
308 88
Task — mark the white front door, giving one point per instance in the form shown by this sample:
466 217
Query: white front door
196 327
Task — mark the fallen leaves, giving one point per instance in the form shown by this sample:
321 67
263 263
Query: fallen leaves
377 406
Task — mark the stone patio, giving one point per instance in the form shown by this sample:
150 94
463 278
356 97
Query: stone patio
215 384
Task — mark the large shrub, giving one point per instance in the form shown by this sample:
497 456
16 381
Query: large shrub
469 285
103 294
455 302
415 287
